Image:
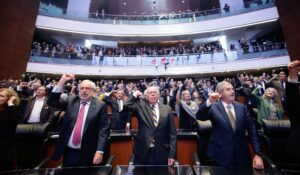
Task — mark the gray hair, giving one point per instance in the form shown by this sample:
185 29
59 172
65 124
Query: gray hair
156 88
220 86
90 83
184 92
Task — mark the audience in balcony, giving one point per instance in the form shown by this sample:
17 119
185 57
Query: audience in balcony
226 8
71 51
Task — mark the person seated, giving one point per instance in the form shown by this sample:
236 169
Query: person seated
269 105
37 110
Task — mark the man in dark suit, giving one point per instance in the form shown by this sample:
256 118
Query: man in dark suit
155 142
293 103
84 133
120 119
230 120
37 110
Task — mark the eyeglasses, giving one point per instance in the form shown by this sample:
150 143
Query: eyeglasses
85 88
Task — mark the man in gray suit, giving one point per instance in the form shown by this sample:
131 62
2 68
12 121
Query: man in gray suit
155 142
84 133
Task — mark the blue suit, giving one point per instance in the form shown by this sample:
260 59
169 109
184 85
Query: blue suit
227 147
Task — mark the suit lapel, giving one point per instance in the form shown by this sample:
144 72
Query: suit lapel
224 115
76 107
89 115
238 114
161 114
149 118
43 111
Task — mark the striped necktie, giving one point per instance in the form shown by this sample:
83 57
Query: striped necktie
154 117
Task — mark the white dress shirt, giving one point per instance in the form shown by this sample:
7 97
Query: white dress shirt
36 111
231 109
70 143
59 89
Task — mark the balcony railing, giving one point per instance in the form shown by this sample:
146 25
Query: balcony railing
263 51
155 18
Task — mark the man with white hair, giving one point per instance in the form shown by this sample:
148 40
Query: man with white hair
155 142
230 120
85 129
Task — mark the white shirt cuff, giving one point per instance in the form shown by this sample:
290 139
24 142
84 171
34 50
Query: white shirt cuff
208 103
100 152
58 89
295 81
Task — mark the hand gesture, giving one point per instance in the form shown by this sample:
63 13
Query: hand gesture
213 97
294 68
97 158
138 93
64 78
171 161
11 100
257 163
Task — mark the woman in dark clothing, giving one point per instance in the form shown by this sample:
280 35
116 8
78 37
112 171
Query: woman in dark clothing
9 102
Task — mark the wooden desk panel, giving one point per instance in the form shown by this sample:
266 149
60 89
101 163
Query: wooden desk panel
122 150
185 151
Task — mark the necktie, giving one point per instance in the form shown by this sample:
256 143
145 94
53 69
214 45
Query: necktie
231 117
154 117
78 126
282 84
119 105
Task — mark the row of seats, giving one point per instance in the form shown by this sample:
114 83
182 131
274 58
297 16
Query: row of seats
34 144
274 139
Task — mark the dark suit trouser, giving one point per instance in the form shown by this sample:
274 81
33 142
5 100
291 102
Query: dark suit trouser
71 157
153 158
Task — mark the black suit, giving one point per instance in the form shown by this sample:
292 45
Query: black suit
118 119
164 135
95 131
8 124
45 112
227 147
293 106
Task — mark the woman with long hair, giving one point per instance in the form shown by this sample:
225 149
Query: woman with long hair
269 105
9 102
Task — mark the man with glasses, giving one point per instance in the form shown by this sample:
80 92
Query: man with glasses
84 133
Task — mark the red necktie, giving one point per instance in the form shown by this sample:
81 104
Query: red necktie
78 126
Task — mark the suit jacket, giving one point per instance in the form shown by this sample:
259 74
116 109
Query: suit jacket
227 147
164 135
118 119
45 112
8 124
293 105
95 131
